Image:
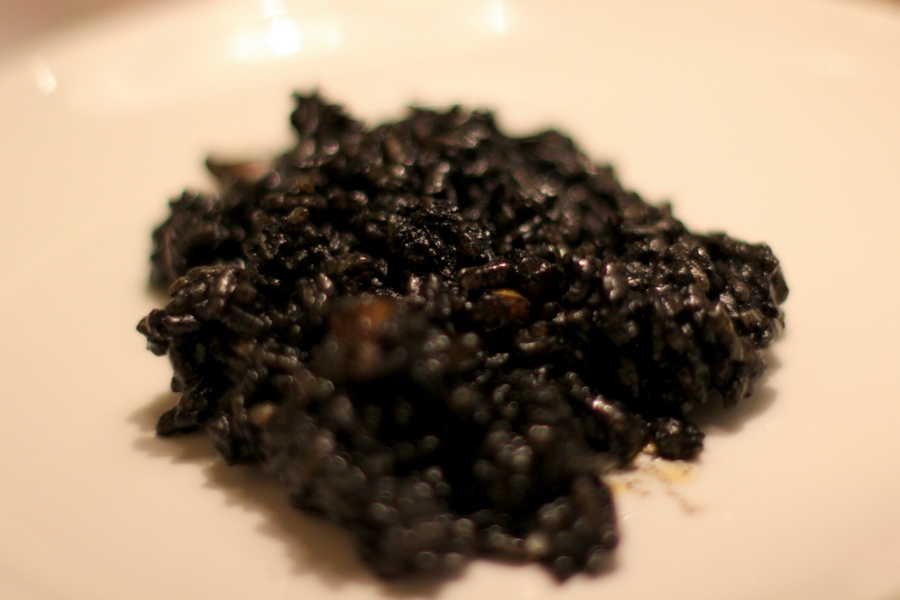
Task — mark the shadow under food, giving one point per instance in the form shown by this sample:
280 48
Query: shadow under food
326 549
716 419
313 544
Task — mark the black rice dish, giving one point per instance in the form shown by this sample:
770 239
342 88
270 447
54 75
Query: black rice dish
442 338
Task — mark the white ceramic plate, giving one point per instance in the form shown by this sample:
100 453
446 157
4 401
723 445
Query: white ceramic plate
776 120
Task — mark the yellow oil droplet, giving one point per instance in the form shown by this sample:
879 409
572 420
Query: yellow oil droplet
674 471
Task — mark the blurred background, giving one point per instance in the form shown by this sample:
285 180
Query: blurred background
22 20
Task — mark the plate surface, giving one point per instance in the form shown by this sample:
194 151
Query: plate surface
774 120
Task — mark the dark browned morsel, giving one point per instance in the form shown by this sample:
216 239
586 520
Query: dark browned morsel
441 337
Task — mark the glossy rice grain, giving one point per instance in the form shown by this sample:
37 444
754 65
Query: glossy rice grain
441 337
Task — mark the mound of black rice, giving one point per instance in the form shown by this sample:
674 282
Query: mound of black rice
441 337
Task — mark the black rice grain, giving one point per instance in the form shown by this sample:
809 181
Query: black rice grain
441 337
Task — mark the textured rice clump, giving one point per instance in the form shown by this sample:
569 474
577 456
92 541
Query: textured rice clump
441 337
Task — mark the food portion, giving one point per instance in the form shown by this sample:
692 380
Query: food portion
441 337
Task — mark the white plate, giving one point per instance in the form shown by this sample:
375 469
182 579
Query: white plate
776 120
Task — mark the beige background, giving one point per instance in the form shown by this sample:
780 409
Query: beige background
22 20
